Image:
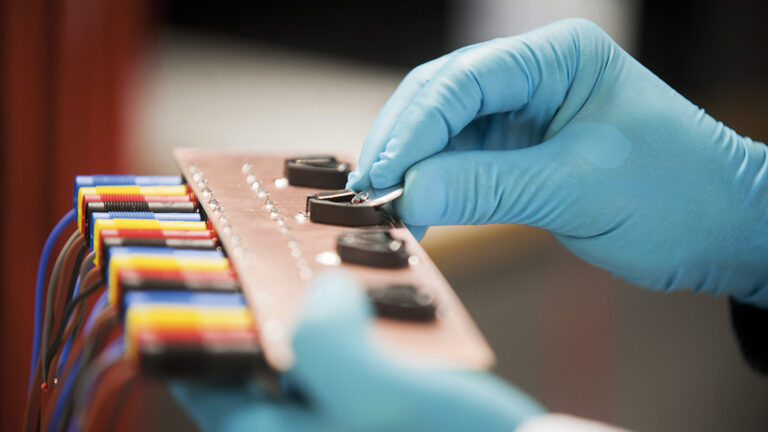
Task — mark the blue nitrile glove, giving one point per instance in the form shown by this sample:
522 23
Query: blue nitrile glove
350 386
561 129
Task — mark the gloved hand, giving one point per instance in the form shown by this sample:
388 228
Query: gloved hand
561 129
352 387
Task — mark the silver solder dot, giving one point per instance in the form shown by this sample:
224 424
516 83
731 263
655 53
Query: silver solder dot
256 186
250 178
292 244
395 245
423 298
284 229
224 220
202 183
235 239
206 193
262 193
213 202
192 167
274 213
217 210
269 204
280 221
300 217
226 228
246 168
296 252
328 258
197 176
281 182
305 273
238 252
413 260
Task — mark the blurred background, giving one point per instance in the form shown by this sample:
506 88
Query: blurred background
102 86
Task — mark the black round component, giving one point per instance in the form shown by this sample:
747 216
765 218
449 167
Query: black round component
336 208
372 248
404 302
319 172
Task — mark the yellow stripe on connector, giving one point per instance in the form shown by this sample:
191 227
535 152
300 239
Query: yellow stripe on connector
184 317
127 190
158 262
139 224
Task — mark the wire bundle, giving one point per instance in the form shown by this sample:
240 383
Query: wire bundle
140 289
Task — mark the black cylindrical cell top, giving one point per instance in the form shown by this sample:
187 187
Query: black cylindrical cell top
318 171
336 208
404 302
372 248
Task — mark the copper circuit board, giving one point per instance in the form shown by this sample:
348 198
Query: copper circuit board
276 251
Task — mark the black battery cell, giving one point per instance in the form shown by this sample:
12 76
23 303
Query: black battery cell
372 249
403 302
318 172
336 208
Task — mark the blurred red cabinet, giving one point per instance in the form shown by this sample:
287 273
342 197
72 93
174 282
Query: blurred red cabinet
66 71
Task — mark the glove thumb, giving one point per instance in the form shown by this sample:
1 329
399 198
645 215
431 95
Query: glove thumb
525 186
334 358
350 382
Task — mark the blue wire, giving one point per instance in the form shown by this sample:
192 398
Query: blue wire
68 345
41 268
100 304
69 385
110 353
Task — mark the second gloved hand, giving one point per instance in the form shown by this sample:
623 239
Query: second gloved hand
561 129
351 386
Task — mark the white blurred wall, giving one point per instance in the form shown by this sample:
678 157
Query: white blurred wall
199 91
207 92
480 20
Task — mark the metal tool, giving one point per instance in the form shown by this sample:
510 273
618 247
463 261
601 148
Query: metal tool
376 197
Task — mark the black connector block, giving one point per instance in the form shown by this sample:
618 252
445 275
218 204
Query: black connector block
200 360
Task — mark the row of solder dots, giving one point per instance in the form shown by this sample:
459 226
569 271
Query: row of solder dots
328 258
206 193
257 186
272 329
271 207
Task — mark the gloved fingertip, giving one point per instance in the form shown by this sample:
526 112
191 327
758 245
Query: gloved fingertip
426 197
353 176
336 303
383 175
358 182
354 181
